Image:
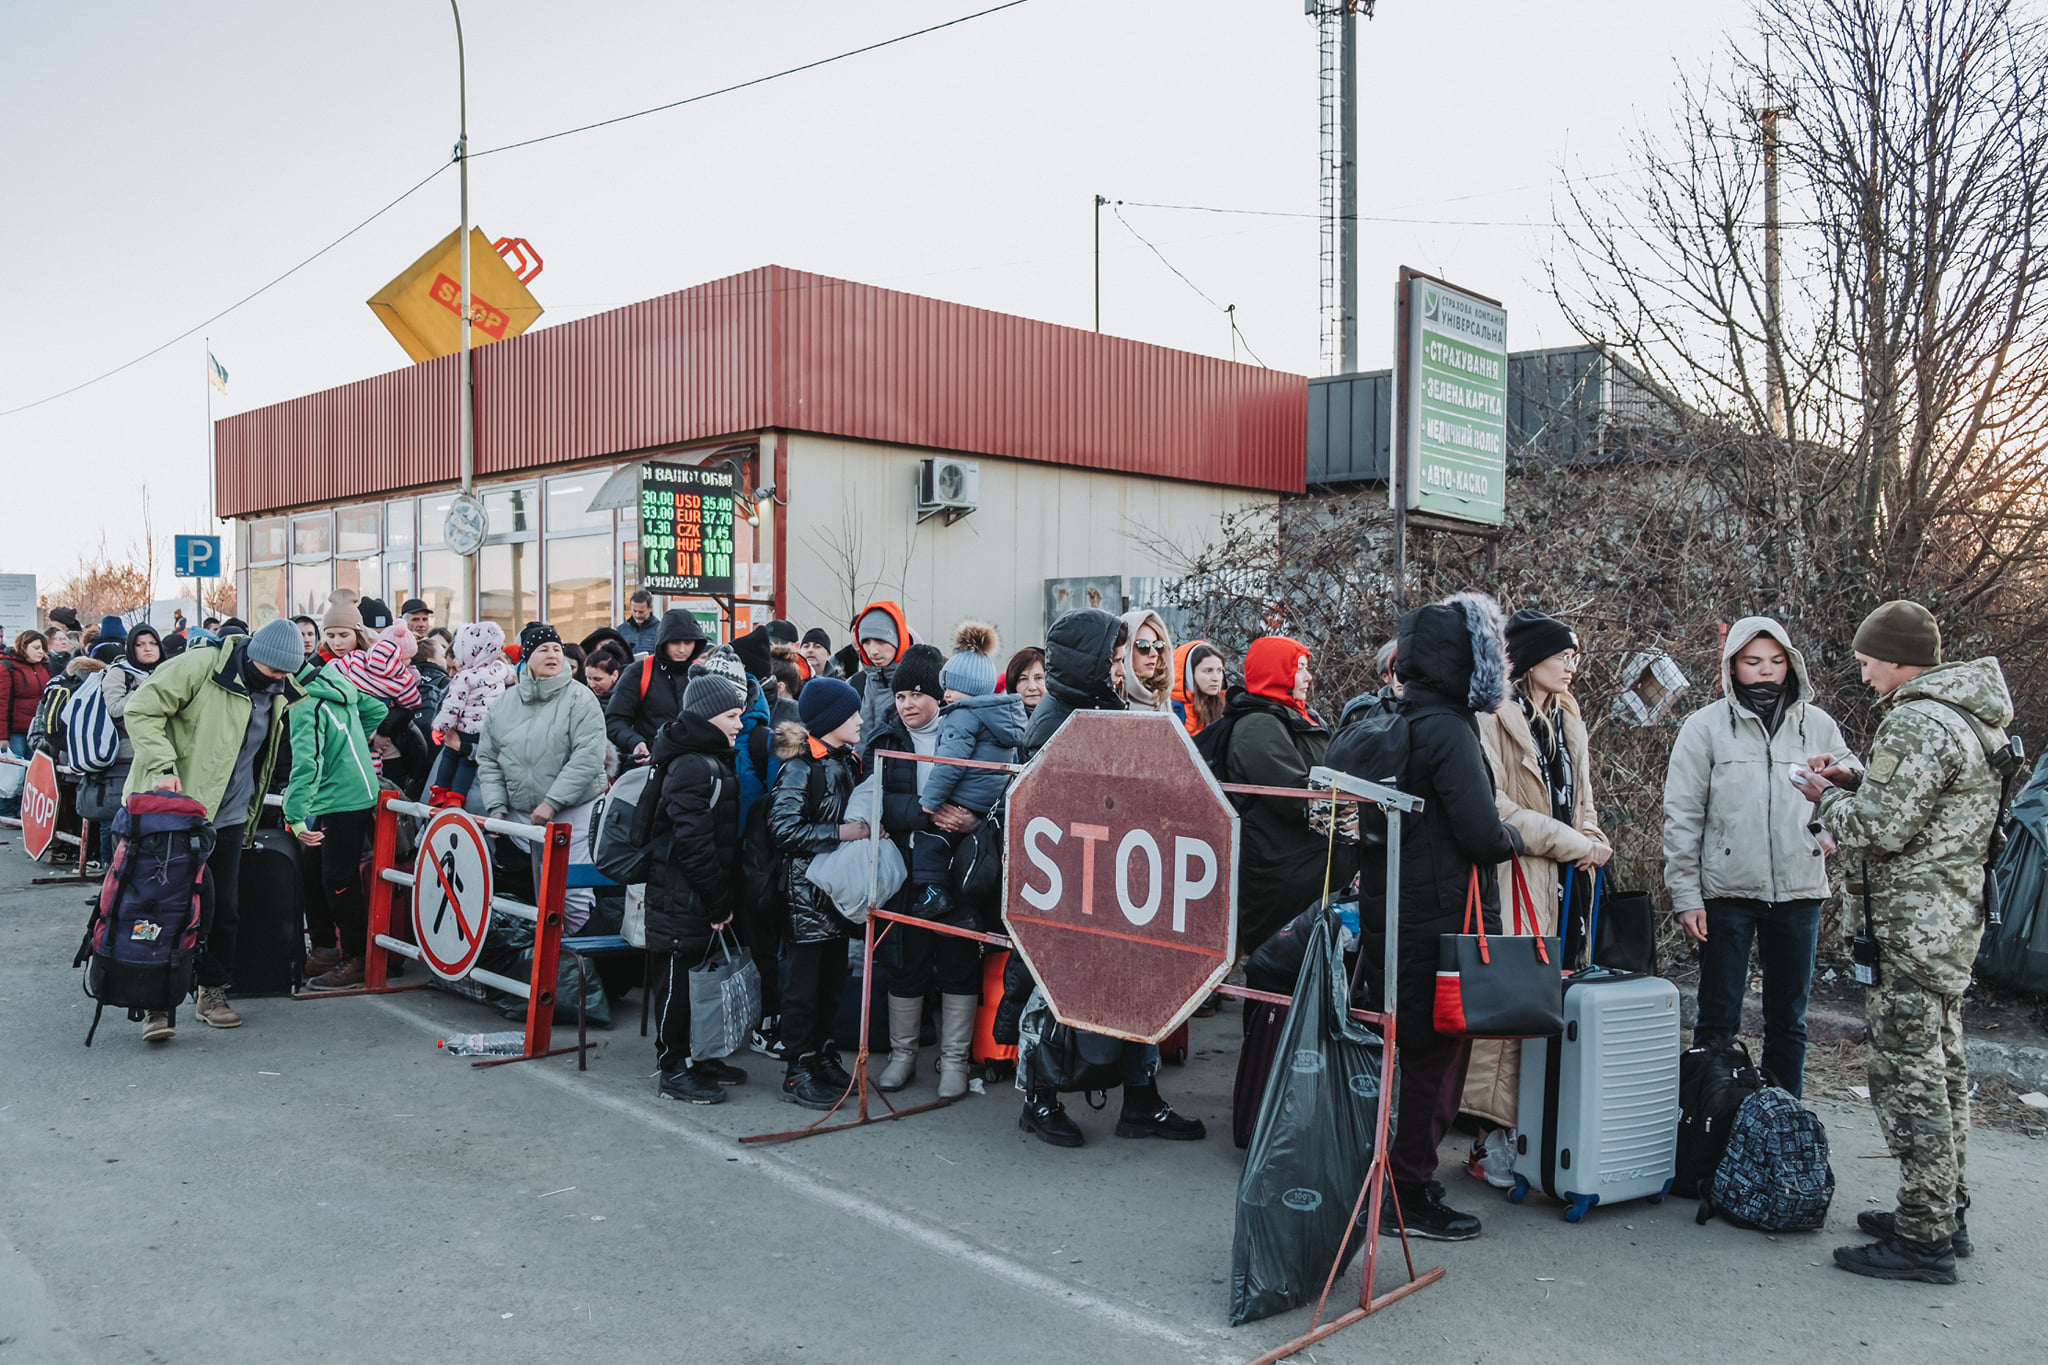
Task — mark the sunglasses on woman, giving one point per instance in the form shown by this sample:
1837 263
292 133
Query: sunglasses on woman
1150 646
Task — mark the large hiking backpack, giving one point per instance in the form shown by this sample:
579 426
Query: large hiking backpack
91 740
1712 1084
1775 1176
141 946
622 846
2015 952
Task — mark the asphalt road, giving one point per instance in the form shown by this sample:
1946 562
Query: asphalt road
324 1185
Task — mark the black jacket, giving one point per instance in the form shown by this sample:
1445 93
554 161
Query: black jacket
1452 665
803 827
631 720
691 885
1281 858
1079 649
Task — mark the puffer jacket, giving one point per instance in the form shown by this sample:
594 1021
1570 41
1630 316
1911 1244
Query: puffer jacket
1493 1078
1453 666
1281 858
1734 825
692 882
484 676
331 770
1918 824
631 719
543 741
802 827
21 691
1079 649
988 729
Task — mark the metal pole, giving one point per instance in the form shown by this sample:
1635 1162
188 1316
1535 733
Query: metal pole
1099 202
468 413
1774 370
1390 996
1347 195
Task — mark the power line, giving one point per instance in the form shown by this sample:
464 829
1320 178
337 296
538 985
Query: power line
1229 312
130 364
758 80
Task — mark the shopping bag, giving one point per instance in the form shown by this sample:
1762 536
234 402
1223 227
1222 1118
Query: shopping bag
1624 925
725 999
1499 985
1312 1145
633 925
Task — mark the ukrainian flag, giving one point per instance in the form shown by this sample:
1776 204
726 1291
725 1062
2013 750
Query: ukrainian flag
216 373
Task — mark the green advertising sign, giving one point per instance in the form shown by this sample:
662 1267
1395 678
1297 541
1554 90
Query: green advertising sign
1453 392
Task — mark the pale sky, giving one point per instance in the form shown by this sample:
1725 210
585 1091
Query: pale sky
163 161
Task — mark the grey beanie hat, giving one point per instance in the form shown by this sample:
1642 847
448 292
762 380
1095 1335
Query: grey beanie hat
278 645
877 624
711 694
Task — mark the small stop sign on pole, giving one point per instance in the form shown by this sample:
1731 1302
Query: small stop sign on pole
1120 886
39 807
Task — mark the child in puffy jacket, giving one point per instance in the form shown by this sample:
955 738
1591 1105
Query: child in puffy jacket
385 671
482 675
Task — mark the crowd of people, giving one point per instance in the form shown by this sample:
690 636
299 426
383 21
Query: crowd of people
755 747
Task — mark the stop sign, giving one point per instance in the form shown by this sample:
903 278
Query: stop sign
1120 884
39 806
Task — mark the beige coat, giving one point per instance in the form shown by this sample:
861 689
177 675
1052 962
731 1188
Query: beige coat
1493 1080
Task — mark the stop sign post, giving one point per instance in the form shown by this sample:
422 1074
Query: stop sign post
1120 883
39 807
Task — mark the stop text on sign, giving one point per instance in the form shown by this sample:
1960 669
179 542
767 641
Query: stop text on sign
1139 880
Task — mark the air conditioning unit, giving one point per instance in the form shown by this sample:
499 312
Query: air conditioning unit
947 487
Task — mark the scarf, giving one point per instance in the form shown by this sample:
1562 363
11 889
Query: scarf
1767 701
1553 756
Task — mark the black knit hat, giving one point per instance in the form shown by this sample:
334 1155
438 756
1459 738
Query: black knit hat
782 632
375 611
918 671
816 636
535 634
756 652
1534 637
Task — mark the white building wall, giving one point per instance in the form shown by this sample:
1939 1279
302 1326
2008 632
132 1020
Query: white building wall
854 536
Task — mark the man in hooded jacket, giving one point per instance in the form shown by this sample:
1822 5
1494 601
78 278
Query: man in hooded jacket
650 694
1452 660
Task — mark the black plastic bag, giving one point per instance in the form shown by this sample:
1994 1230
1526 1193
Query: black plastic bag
1312 1145
1053 1056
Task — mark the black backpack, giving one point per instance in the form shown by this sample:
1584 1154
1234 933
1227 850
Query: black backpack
760 864
1213 744
1712 1084
1374 748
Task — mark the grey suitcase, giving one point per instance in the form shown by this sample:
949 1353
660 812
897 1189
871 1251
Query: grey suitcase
1598 1109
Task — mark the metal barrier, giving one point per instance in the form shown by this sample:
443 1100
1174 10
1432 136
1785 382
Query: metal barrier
538 990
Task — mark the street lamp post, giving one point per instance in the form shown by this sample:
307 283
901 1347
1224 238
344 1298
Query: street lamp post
468 416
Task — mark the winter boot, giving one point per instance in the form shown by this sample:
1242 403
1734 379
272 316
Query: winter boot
1146 1115
215 1011
157 1028
802 1086
935 904
1883 1224
344 975
1047 1117
691 1085
906 1017
1902 1258
956 1036
1426 1215
825 1066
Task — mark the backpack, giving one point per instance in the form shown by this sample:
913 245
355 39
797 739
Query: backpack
141 946
760 864
91 741
621 846
1374 748
1053 1056
49 721
1712 1085
1213 744
1775 1176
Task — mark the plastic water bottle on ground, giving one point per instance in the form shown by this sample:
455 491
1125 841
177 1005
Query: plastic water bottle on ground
507 1044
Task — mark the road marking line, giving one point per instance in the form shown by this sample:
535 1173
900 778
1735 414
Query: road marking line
1212 1346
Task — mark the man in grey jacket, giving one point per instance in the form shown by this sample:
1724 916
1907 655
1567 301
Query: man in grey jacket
1739 858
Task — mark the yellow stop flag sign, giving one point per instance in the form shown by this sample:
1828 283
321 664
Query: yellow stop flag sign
423 309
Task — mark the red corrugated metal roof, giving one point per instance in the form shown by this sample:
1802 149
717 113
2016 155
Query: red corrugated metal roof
780 348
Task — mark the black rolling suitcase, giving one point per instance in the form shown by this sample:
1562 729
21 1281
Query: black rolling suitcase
270 950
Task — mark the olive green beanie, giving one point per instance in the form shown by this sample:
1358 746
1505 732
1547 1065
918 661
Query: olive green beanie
1900 632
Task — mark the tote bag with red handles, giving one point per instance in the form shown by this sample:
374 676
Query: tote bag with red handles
1499 985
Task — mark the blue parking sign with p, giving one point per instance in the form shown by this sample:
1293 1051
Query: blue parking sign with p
198 556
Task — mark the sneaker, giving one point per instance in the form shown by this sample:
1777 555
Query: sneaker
935 904
344 975
214 1009
1426 1215
157 1028
1146 1115
800 1086
767 1039
1046 1116
825 1066
718 1070
95 868
1901 1258
691 1086
1883 1225
1493 1159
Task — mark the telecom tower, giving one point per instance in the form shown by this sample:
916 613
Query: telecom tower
1337 45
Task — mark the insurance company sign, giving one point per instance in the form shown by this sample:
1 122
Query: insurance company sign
1453 393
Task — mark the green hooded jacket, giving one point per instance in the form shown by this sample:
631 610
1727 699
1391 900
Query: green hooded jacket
1919 822
188 721
331 769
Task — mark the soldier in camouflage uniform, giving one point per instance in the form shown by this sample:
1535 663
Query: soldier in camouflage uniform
1918 822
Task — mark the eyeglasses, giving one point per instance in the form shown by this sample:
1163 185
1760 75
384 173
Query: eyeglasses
1150 646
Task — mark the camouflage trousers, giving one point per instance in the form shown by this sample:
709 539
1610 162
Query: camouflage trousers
1920 1087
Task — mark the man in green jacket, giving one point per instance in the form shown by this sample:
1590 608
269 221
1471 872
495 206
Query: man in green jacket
208 724
1918 821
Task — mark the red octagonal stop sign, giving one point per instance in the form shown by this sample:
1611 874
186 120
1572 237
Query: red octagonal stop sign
1120 886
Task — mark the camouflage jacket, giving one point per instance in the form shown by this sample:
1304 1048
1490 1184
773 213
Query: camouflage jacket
1919 823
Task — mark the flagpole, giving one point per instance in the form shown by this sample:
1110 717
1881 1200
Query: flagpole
212 477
